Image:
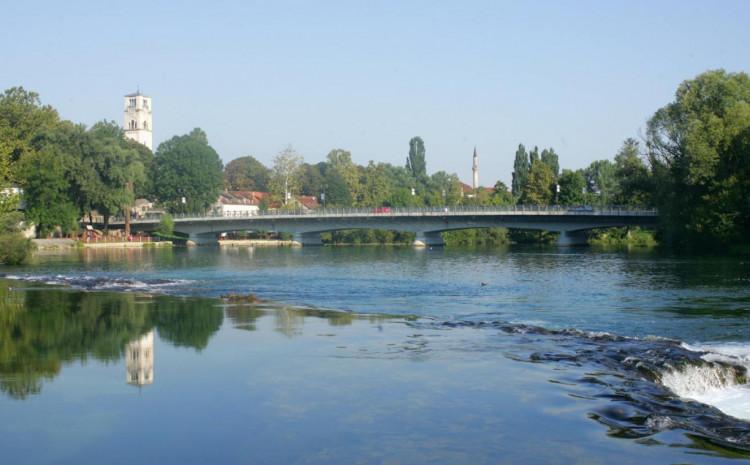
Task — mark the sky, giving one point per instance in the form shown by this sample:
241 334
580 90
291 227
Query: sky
367 76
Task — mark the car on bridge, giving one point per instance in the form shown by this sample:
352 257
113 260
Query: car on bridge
382 210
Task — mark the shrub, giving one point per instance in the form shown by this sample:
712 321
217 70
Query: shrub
15 249
166 226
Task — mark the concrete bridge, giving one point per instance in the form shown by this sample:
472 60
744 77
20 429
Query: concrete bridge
426 223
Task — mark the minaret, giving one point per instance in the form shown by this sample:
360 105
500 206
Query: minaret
475 170
139 360
137 121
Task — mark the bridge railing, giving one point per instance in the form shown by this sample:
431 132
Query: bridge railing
409 211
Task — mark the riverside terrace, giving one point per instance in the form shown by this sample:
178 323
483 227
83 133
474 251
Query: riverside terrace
427 223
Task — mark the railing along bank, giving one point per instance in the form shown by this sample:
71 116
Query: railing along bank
407 211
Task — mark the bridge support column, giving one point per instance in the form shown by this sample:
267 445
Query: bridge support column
307 239
572 238
428 239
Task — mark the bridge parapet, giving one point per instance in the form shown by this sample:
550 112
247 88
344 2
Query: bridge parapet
461 211
426 223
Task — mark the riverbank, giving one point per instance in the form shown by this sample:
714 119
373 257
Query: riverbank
70 244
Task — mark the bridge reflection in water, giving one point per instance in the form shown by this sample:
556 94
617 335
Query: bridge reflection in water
426 223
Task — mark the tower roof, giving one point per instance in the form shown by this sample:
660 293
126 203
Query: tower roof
475 151
137 94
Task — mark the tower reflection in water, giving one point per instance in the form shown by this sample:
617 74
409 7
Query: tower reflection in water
139 360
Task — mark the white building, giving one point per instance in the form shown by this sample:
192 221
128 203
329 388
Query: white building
139 360
238 203
137 120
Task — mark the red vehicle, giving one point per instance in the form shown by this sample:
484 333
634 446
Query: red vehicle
382 210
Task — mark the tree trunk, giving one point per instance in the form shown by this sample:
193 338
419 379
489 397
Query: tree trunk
127 222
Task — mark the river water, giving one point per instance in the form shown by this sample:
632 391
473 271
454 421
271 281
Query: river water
375 355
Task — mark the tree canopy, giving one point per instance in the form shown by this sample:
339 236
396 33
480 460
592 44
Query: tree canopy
246 174
187 175
415 162
699 155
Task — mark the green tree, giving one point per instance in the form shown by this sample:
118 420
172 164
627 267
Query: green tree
443 189
539 187
501 194
572 188
15 248
187 175
22 118
698 151
521 169
550 158
341 161
376 185
601 182
415 162
632 176
166 225
286 174
246 174
118 167
534 156
47 190
337 191
312 182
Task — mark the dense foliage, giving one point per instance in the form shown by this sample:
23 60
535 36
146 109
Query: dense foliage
15 248
694 166
246 174
699 152
187 175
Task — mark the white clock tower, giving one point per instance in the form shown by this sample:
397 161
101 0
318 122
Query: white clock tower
137 121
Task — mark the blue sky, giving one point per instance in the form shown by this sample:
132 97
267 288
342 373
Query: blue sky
367 76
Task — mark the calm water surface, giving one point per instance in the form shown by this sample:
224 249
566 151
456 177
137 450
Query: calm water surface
375 355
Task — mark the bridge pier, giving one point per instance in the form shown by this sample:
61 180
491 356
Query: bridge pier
307 239
572 238
428 239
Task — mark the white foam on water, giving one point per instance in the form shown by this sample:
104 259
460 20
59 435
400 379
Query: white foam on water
714 384
101 282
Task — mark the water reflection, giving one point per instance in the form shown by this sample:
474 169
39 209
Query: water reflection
42 330
139 360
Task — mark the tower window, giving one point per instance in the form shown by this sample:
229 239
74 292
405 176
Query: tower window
132 103
133 124
145 125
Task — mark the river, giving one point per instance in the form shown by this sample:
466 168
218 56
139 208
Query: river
375 355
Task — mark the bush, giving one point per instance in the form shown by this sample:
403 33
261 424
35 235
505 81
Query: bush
634 237
15 249
166 225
